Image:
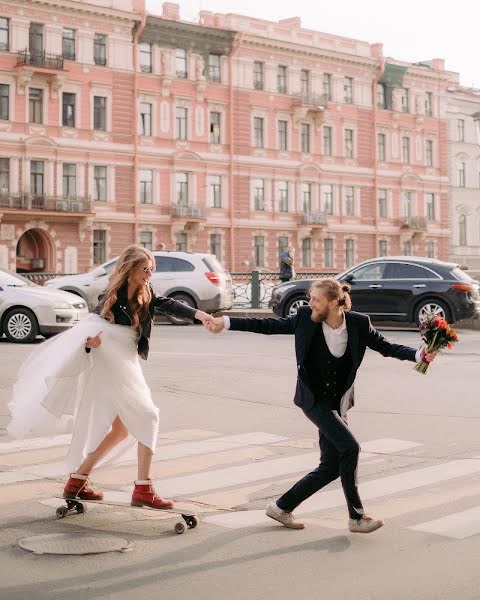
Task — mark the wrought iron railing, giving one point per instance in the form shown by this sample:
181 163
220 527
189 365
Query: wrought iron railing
40 59
413 222
314 218
188 210
48 203
317 100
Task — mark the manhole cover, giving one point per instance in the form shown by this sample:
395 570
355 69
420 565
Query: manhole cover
74 543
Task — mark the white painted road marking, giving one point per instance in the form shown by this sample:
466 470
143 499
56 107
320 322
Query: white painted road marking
458 525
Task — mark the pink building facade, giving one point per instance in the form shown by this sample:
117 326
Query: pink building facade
234 136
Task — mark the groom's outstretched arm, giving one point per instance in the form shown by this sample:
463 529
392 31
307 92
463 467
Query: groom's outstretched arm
267 326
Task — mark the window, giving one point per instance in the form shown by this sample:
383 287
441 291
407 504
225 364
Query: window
4 176
306 191
35 43
429 152
259 251
349 200
328 199
407 205
461 130
258 132
215 130
405 150
327 141
282 247
163 264
182 189
259 194
282 135
461 174
370 272
349 253
381 147
145 118
382 248
99 183
348 90
69 180
382 204
68 44
328 253
181 69
216 191
214 68
381 101
306 252
348 143
100 113
146 240
327 86
68 109
404 100
216 245
181 115
99 246
462 230
4 102
258 75
281 79
35 102
100 49
145 57
429 104
305 138
304 82
407 248
178 264
36 177
398 270
146 185
431 249
283 196
4 35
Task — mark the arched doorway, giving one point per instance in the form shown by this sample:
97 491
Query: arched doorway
35 252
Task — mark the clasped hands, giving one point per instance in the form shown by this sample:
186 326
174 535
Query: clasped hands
214 325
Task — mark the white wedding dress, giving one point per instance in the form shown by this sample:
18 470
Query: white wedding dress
61 388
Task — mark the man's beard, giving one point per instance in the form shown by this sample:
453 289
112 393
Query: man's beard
319 317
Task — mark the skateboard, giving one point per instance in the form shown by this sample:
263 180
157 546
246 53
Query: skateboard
78 505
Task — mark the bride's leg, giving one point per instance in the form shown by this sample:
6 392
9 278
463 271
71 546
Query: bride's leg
145 456
117 434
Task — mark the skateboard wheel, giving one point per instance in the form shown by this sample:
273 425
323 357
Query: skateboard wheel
193 522
62 511
179 528
80 508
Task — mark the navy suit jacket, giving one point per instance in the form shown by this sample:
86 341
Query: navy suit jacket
361 334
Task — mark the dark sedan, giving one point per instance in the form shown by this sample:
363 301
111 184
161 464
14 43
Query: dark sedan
396 289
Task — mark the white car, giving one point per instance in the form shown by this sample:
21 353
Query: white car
193 278
27 309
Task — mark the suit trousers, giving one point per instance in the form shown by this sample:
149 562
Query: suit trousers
339 451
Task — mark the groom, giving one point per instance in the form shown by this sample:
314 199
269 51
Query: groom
330 344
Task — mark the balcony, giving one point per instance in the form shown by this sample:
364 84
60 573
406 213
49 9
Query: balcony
42 60
417 223
190 212
32 202
314 105
314 218
318 101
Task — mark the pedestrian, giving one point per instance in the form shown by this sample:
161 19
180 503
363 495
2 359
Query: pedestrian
330 343
287 271
89 380
161 247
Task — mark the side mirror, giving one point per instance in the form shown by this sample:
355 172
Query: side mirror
99 272
349 278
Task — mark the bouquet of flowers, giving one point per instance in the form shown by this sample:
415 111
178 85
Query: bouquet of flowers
437 334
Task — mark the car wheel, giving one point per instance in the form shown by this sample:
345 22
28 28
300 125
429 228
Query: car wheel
294 304
431 306
20 326
184 299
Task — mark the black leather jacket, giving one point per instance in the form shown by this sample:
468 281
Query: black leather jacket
122 314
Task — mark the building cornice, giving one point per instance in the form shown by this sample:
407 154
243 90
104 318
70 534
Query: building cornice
78 7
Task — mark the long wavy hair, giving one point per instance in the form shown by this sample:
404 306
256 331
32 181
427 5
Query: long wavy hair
129 260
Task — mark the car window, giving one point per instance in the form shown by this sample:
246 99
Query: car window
461 275
397 270
182 265
213 264
371 272
163 264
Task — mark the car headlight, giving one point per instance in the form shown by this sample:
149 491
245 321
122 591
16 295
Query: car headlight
61 305
79 305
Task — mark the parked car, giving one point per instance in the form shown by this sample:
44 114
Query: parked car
27 309
196 279
403 288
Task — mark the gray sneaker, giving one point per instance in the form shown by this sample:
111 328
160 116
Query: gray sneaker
364 525
283 517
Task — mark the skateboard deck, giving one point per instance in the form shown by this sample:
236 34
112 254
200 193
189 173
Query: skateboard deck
78 505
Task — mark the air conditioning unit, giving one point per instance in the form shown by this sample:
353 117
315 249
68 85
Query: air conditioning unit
61 205
76 206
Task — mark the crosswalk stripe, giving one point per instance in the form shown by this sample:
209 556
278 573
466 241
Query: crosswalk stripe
459 525
35 443
376 488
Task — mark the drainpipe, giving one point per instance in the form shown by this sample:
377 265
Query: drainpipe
136 37
236 45
375 181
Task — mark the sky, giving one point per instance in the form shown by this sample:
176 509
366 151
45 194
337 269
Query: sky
410 30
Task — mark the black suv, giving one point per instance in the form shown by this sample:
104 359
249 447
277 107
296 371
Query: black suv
404 288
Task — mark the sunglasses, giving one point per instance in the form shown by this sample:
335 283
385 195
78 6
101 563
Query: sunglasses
147 269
